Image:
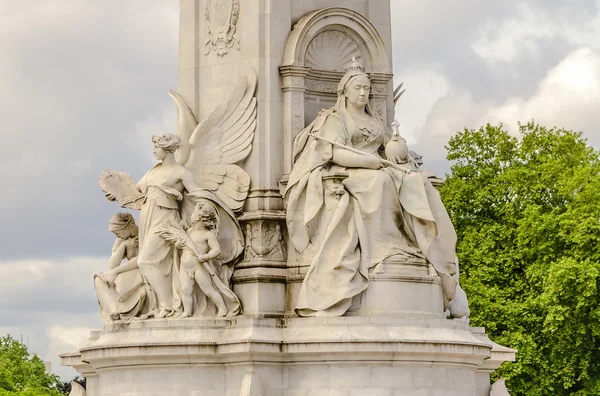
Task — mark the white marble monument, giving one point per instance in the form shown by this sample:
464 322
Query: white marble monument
288 242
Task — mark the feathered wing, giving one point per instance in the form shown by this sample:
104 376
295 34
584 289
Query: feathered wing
186 123
212 149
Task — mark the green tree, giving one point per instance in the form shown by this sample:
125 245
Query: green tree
22 374
527 215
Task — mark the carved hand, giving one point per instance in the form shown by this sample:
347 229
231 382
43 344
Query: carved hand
373 162
397 160
131 242
109 277
180 244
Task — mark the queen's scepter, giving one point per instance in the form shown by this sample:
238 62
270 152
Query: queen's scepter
343 146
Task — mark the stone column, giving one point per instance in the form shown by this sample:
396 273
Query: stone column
255 37
294 86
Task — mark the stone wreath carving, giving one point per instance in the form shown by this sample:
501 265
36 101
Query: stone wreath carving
221 20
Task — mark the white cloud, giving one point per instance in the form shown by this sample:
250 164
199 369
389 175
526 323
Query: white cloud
52 305
64 339
423 89
533 25
505 41
568 97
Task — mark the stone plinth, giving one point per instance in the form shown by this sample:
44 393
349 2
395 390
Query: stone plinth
290 357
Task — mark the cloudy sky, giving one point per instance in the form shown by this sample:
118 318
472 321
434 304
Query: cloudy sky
83 86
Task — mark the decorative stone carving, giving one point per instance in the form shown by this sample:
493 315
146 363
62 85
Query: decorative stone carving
379 89
333 187
321 86
342 230
332 50
221 24
203 173
379 108
264 239
355 26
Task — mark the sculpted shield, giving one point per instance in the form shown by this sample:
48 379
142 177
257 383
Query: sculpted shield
221 20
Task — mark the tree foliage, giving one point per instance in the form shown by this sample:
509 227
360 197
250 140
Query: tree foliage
22 374
527 215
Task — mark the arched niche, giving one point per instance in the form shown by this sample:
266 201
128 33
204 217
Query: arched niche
320 45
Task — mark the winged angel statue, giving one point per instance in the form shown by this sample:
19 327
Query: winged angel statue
198 165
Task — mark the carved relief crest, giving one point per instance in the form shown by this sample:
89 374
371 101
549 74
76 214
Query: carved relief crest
265 239
221 20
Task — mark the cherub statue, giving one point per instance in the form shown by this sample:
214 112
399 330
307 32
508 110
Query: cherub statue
198 163
199 266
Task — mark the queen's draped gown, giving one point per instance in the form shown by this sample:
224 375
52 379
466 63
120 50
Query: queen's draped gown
385 213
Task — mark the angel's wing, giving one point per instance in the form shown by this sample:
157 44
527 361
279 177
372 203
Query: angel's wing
213 148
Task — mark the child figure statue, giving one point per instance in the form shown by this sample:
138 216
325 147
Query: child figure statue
199 262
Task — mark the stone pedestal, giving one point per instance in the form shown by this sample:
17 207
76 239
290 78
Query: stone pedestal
403 289
290 357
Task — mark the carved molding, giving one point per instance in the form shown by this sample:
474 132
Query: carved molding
221 26
322 86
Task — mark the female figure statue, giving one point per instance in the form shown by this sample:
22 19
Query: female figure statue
385 213
163 188
121 291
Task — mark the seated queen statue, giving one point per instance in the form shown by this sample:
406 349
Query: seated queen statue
385 211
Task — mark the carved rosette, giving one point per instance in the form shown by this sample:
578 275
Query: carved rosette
221 25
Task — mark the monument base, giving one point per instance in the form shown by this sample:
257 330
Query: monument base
288 357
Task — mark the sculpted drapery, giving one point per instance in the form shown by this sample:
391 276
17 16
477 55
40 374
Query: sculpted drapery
385 213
